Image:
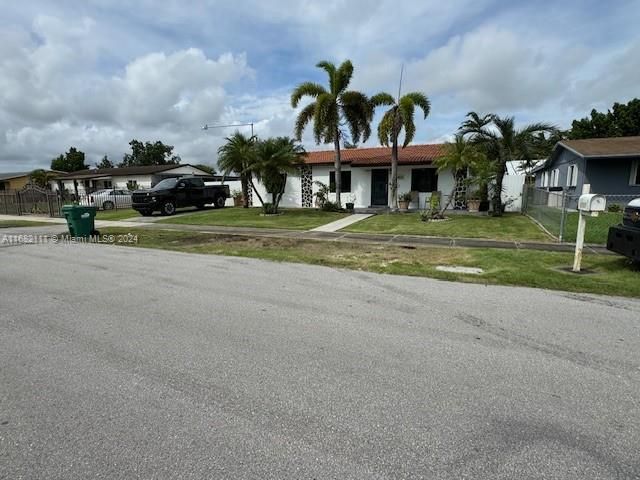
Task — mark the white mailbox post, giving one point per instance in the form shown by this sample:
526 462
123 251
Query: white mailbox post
589 205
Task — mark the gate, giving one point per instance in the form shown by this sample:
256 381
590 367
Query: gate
31 200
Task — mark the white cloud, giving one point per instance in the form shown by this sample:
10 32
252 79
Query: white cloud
52 96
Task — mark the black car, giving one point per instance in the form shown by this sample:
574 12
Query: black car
173 193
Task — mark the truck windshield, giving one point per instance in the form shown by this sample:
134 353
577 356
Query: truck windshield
166 183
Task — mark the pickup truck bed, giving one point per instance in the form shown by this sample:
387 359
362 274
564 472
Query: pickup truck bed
625 238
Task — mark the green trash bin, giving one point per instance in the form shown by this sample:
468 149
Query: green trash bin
80 220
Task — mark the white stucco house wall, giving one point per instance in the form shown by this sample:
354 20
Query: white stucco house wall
366 174
90 180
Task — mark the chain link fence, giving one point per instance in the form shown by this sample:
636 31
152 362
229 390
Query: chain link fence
557 212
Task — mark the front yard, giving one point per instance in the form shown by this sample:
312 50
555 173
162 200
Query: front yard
611 274
292 219
597 228
511 226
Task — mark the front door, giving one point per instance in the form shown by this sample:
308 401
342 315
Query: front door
379 187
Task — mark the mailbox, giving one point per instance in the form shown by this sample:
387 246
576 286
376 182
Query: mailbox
591 202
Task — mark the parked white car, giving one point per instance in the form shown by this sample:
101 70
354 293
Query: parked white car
108 199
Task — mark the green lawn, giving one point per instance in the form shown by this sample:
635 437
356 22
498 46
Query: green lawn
22 223
293 219
612 274
508 227
119 214
596 230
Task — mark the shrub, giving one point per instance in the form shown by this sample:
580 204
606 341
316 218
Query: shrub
614 208
329 206
405 197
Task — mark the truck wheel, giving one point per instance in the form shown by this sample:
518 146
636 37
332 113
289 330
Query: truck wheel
108 205
168 208
220 201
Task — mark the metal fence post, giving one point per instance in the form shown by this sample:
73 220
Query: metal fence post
563 217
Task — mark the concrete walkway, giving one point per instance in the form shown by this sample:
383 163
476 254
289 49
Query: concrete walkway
342 223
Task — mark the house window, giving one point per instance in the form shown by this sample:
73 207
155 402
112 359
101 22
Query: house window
572 176
424 180
108 184
635 173
545 180
555 177
345 176
132 184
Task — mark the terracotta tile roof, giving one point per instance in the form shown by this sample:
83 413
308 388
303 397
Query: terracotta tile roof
360 157
604 147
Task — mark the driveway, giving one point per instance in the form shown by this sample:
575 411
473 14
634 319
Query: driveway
129 363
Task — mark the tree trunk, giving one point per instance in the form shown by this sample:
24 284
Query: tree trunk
497 195
256 191
245 190
450 199
394 174
338 167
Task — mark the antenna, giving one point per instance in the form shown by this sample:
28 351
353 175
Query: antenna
400 85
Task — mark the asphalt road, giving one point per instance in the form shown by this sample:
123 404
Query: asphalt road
127 363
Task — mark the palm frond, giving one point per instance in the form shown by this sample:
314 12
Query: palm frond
420 100
343 76
385 127
357 112
302 120
311 89
382 98
330 68
406 110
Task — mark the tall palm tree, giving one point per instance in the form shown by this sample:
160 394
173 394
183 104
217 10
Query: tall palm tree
459 156
275 158
502 142
331 110
398 117
235 156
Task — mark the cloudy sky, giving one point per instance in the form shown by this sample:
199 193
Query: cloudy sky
96 73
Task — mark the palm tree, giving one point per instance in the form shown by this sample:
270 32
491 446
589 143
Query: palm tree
274 159
235 156
40 177
502 142
459 156
399 116
331 110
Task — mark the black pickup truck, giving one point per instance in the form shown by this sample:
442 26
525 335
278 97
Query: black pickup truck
625 238
172 193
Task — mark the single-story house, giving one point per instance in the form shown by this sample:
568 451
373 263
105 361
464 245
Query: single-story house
366 175
609 165
90 180
18 180
13 180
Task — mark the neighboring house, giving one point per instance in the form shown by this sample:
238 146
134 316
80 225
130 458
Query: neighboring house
90 180
14 180
366 175
609 165
18 180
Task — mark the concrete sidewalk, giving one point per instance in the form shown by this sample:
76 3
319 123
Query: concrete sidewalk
342 223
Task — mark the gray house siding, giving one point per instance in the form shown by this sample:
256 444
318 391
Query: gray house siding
562 163
611 175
